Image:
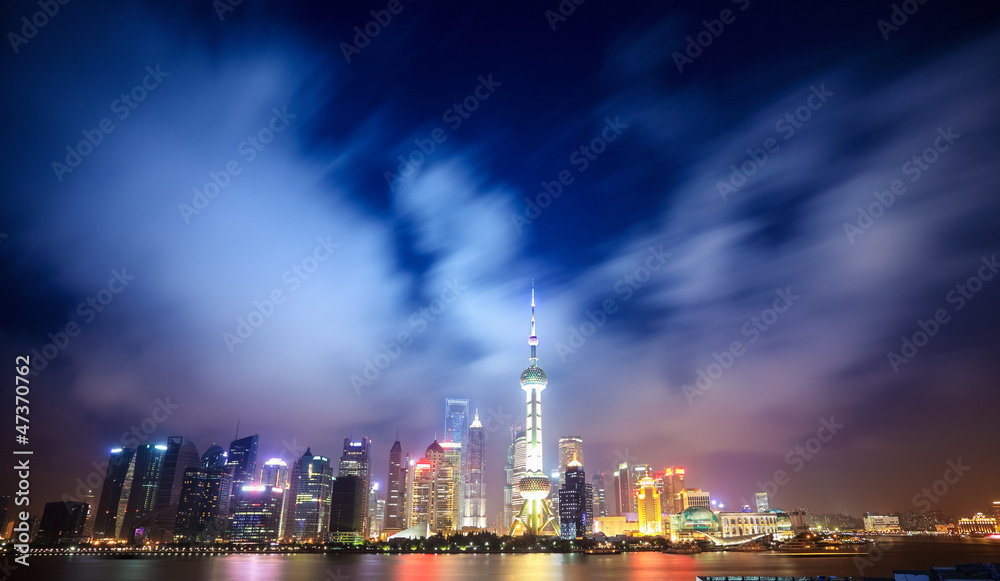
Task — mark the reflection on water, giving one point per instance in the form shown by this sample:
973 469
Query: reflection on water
907 554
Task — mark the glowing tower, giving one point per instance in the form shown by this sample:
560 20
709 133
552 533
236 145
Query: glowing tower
535 517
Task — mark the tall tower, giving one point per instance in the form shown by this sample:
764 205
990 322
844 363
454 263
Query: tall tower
570 449
535 517
395 501
475 491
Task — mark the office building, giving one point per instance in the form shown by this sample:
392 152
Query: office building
355 461
257 517
695 497
347 498
475 470
314 482
673 483
648 507
108 519
274 473
576 502
514 471
395 501
143 485
600 502
570 449
623 489
62 523
215 457
243 460
433 492
203 509
881 523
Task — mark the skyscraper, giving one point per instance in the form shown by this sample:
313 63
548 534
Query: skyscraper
204 504
395 501
453 454
475 487
456 431
181 454
312 500
355 461
673 484
62 522
624 496
257 517
274 473
570 449
535 517
146 470
108 518
346 500
514 471
648 505
600 503
576 501
214 457
433 493
243 458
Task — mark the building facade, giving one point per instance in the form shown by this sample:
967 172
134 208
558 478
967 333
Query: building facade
648 507
312 498
396 492
475 470
576 503
257 518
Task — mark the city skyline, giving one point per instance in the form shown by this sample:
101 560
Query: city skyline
764 245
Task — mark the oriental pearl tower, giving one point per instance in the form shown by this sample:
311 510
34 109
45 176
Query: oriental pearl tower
535 517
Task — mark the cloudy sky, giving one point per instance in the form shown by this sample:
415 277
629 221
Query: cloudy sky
217 215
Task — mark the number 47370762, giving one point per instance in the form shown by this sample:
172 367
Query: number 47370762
21 391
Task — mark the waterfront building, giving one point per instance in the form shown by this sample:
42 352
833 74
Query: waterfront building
396 492
62 522
242 459
978 524
881 523
108 519
204 505
257 518
475 470
312 498
576 502
649 510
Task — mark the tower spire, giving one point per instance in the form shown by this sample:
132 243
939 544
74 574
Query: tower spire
533 339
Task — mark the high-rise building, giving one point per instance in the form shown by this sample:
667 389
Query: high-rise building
453 454
204 505
243 459
146 468
215 457
257 518
355 461
695 497
346 500
408 487
180 455
570 449
600 503
475 485
108 519
514 471
395 501
623 490
762 504
62 522
433 493
374 524
535 517
274 473
648 505
456 431
312 499
673 484
576 502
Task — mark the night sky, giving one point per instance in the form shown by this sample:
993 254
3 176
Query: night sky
401 187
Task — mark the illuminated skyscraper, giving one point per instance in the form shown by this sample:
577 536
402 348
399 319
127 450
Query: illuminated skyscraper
623 490
395 502
355 461
433 493
535 517
514 471
312 498
576 503
570 449
257 518
274 473
243 459
456 431
453 454
108 519
475 486
673 484
204 505
696 497
145 480
648 505
600 503
62 522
